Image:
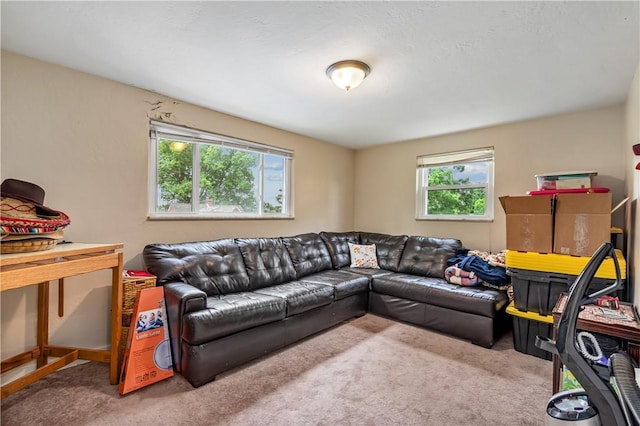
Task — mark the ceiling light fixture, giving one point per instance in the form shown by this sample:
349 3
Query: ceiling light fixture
348 74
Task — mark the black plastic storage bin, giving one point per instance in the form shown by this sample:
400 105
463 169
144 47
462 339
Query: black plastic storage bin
537 291
528 325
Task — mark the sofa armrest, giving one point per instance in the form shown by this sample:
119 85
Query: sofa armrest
180 299
184 297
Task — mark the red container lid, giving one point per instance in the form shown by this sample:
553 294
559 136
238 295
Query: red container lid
552 192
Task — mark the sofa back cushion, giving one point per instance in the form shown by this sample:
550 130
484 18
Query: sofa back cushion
308 253
338 246
215 267
267 261
427 256
388 247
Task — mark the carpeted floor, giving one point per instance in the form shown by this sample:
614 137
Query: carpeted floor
369 371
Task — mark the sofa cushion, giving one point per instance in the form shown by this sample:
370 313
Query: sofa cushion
230 313
338 248
215 267
367 272
428 256
343 282
389 248
300 296
435 291
267 261
308 253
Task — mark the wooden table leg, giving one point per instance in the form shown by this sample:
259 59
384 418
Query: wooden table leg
61 297
42 337
116 321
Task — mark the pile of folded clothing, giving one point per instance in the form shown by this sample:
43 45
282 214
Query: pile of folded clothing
474 268
26 225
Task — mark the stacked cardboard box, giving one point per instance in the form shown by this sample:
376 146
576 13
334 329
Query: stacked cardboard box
575 224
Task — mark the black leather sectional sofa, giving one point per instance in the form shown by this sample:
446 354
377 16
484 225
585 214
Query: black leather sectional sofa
232 300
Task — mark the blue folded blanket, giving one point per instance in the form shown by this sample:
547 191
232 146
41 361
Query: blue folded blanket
492 274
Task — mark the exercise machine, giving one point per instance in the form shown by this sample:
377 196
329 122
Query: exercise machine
597 402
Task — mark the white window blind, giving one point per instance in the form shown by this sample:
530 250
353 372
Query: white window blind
450 158
162 130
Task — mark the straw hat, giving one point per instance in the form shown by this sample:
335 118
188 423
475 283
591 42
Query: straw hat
56 235
29 193
19 217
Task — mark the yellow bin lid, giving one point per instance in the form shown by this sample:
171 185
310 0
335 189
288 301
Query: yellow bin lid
512 310
562 263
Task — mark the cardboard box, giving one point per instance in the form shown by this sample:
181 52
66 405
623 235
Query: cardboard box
582 223
147 357
529 223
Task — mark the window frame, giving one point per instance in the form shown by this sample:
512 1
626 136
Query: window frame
160 130
426 162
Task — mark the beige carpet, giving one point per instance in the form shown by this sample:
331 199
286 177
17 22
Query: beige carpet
370 371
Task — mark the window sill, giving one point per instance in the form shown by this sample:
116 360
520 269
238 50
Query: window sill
456 219
155 216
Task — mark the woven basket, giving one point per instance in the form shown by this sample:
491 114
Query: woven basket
131 286
27 246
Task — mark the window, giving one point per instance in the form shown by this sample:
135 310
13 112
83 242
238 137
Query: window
196 174
455 185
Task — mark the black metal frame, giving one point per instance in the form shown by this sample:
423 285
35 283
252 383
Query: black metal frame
600 393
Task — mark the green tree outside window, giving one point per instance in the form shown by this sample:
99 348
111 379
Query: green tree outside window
226 176
452 201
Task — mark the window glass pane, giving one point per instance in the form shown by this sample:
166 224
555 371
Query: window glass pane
464 201
200 174
228 180
175 171
273 183
460 174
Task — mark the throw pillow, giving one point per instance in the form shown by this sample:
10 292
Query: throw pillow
363 256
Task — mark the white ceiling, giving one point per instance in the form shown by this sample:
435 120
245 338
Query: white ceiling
437 67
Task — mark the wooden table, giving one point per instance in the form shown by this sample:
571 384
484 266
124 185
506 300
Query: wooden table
38 268
588 320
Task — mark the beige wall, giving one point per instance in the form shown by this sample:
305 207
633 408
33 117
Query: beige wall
85 140
633 181
385 184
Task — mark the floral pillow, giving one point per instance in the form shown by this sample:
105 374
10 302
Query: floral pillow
363 256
